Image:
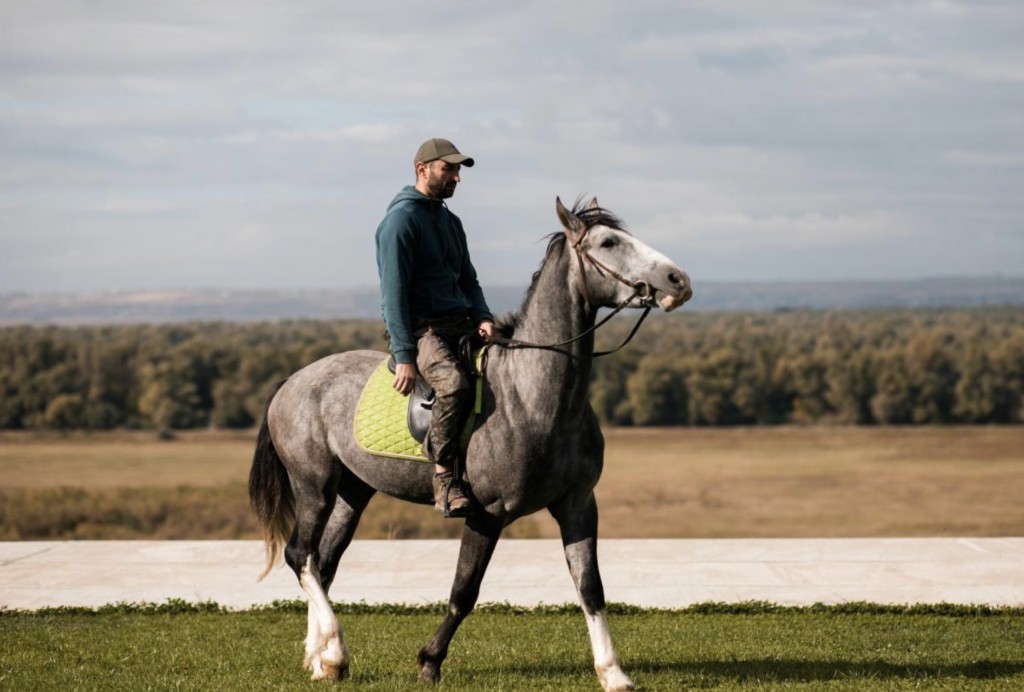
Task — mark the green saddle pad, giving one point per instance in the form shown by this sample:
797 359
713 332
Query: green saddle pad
380 424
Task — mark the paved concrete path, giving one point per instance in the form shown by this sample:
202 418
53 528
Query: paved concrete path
658 573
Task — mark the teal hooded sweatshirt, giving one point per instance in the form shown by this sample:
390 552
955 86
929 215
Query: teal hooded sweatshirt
424 267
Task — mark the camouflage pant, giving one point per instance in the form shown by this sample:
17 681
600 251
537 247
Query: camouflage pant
438 363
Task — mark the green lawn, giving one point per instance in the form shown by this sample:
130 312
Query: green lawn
499 648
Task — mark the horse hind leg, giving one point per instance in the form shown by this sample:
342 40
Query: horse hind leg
578 524
353 496
326 652
315 498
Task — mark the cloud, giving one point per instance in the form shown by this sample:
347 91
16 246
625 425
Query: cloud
738 230
996 159
121 205
148 146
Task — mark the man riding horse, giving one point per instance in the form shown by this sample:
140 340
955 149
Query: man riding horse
430 300
536 446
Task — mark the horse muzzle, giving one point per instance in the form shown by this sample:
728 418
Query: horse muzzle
679 291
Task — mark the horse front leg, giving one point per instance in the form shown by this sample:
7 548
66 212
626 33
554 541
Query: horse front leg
577 520
478 541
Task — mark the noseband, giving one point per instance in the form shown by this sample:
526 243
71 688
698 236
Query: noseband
641 289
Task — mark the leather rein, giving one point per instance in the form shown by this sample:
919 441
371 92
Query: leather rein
641 289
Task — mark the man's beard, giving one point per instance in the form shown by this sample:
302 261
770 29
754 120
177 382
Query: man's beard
439 190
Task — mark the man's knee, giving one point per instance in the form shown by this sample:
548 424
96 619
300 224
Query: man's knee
453 384
439 365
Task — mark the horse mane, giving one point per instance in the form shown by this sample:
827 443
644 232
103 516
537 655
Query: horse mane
590 216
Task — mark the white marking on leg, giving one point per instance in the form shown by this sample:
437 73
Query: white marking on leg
313 639
606 663
317 644
326 653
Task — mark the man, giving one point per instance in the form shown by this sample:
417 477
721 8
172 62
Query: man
430 299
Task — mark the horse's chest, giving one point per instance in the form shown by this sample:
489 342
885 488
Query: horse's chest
526 483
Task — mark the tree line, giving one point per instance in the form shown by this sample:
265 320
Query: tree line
700 369
178 376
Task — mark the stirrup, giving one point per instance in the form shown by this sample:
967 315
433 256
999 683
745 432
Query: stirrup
450 513
447 484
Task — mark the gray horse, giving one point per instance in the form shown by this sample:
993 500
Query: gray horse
537 444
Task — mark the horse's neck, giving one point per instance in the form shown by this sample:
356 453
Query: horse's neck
554 384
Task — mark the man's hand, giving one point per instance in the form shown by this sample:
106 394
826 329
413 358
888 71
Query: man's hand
405 378
485 330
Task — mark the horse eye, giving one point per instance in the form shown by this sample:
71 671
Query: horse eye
608 242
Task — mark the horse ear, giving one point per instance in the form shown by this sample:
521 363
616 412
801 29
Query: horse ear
593 204
570 222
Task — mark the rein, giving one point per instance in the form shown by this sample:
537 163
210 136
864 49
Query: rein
641 289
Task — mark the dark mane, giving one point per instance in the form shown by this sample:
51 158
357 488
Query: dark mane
590 216
596 216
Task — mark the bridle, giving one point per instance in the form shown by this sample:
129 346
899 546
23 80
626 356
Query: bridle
641 289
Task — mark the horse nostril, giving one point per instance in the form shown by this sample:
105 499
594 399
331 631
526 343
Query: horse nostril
674 278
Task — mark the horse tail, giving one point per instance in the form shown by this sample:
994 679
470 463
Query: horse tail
270 493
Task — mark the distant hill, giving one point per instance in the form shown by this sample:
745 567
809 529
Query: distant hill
821 295
244 306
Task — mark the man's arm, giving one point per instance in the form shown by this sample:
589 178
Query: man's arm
396 248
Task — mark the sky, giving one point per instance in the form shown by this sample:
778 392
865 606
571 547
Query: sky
256 145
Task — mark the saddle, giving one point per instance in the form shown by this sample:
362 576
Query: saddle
421 401
421 405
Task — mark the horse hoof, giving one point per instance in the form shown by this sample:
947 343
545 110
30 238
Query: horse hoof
430 673
335 671
331 672
614 680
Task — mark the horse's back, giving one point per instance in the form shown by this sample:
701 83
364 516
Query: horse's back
339 368
319 401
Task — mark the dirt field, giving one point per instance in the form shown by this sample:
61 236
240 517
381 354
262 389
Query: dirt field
757 482
804 482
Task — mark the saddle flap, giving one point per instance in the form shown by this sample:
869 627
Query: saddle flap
421 404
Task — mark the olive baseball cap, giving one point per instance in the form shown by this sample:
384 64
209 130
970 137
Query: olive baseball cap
437 148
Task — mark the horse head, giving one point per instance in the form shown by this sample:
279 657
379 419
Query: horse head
614 266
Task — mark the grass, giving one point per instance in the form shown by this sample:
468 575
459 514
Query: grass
740 647
667 482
